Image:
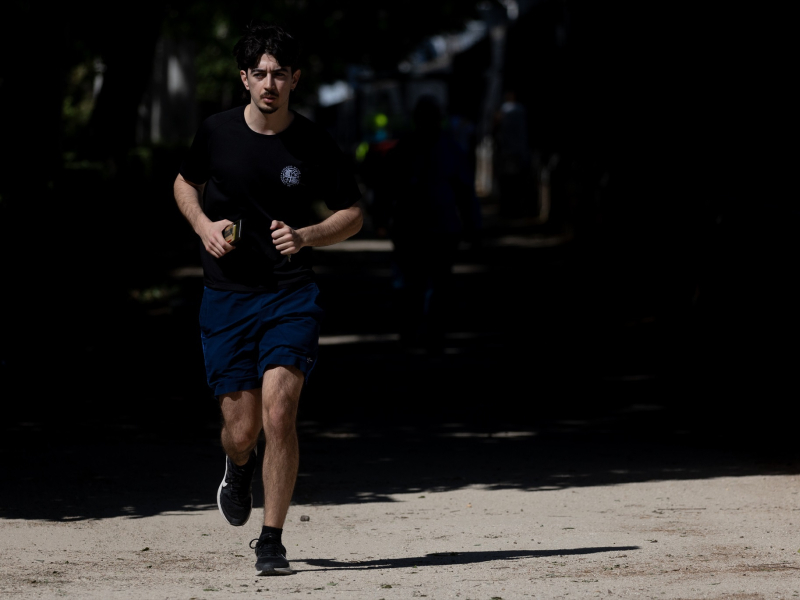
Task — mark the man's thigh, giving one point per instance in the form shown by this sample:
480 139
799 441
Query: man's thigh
281 388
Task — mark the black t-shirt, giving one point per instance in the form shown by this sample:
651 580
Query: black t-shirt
258 178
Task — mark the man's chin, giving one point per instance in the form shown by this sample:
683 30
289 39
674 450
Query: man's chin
267 109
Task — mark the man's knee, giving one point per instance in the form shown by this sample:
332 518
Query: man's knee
280 419
241 420
242 438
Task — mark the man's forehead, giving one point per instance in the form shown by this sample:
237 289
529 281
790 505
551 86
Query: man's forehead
267 62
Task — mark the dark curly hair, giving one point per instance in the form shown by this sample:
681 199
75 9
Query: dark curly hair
263 38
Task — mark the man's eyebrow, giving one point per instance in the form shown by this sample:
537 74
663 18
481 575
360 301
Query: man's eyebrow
259 70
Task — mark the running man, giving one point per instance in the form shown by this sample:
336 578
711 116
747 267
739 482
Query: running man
265 165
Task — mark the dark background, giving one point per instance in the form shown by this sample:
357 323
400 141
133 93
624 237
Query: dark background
665 321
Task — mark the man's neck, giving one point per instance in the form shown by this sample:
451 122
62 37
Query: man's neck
268 124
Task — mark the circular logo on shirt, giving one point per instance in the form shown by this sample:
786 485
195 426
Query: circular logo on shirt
290 176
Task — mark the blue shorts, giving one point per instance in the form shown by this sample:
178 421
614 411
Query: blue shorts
245 332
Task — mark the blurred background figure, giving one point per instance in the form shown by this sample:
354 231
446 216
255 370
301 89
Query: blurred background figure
513 158
425 202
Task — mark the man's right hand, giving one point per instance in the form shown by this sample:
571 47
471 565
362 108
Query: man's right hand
213 240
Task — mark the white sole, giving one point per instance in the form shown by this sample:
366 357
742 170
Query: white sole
280 571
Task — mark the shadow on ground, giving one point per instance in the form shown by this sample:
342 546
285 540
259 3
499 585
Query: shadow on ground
451 558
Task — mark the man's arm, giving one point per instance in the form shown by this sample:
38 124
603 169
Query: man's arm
187 196
339 226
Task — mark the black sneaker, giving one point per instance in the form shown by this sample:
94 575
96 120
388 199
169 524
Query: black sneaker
270 557
235 496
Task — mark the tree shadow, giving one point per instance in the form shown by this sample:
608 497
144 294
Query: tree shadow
87 477
533 391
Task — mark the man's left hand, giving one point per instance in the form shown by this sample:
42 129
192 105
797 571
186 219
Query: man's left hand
286 239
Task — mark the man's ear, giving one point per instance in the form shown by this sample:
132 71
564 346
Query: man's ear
295 78
243 75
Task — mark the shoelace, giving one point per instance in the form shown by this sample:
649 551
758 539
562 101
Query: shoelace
267 546
237 476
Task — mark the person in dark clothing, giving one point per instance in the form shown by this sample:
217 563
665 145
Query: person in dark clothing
264 165
426 204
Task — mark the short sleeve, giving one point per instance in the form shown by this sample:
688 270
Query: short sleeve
326 169
340 177
195 166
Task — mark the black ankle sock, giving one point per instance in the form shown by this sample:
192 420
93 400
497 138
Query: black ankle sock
272 532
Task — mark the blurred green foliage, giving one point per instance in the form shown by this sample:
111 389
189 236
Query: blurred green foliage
78 98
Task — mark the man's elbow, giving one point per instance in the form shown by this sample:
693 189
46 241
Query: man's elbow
359 218
357 223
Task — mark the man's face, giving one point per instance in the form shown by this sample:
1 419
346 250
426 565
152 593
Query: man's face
269 84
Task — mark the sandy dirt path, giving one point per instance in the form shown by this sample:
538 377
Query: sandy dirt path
396 532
